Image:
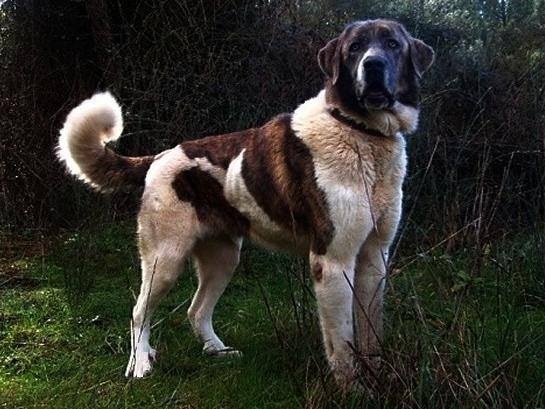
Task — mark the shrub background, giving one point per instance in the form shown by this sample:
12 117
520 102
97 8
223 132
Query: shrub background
185 69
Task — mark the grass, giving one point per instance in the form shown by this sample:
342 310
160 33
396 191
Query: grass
454 338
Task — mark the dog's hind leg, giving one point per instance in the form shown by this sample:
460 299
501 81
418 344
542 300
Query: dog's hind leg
215 260
162 262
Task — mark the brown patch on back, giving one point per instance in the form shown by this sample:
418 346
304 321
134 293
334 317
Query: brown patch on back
279 173
220 149
111 170
205 194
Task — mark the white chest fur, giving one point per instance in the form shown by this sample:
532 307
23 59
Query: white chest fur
360 175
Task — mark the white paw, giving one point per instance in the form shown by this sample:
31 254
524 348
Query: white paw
221 351
140 363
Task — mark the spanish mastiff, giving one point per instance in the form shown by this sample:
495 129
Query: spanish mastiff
323 181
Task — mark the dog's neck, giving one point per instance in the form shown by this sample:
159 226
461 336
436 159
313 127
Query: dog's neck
341 116
399 118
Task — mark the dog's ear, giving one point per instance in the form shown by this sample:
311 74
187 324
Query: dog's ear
422 56
329 60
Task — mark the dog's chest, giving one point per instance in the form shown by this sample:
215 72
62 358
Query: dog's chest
360 177
360 186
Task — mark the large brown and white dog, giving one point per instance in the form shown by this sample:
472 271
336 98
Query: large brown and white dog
324 181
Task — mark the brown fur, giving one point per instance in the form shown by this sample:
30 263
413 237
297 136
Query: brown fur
219 149
277 170
112 170
317 272
206 195
279 173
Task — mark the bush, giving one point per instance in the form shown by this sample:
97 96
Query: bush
187 69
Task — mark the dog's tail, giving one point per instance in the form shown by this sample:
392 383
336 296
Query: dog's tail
82 141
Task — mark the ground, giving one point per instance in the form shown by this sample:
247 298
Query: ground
458 333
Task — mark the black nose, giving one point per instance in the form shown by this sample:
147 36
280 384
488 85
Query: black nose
374 64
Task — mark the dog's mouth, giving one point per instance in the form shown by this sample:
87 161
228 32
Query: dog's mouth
376 99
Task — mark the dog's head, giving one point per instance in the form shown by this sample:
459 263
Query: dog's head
372 65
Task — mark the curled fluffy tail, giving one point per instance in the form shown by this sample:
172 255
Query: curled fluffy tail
82 141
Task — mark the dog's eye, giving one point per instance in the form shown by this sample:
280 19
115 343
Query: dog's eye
393 44
354 47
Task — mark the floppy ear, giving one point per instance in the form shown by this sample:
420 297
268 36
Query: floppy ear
329 60
422 56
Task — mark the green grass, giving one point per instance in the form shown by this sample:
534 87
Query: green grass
454 338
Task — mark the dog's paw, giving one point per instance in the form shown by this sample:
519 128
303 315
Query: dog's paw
223 352
345 375
140 363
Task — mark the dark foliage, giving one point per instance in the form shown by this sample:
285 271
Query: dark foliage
186 69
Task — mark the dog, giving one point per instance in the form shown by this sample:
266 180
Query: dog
324 181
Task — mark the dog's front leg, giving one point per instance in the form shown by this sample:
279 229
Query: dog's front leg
369 288
333 280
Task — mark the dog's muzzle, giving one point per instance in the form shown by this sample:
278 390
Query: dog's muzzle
374 92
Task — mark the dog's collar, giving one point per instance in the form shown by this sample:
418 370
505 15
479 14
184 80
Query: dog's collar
359 126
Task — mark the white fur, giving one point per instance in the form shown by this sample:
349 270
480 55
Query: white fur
89 126
216 261
360 75
361 176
